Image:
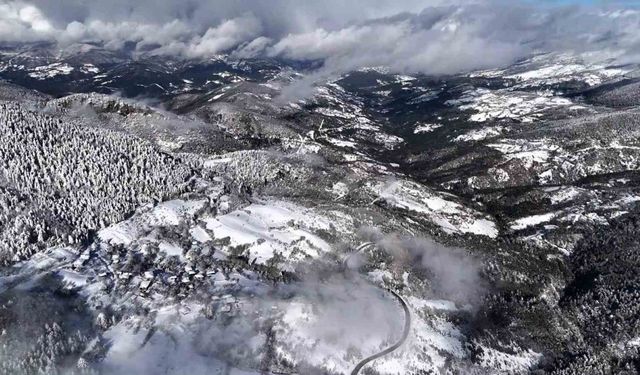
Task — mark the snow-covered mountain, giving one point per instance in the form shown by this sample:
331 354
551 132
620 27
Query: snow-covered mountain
165 216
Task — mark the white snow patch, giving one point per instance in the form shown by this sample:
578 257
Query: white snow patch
480 134
321 333
73 278
564 195
634 342
342 143
531 221
521 106
164 214
272 227
426 128
451 216
170 249
562 72
339 190
199 234
89 69
508 363
50 71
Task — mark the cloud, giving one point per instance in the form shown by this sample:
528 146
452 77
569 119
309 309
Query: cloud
329 318
169 21
252 49
229 34
450 40
454 273
436 41
22 22
412 36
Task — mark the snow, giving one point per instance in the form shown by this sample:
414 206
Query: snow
267 228
508 363
433 304
480 134
592 217
339 189
553 68
530 152
51 71
378 276
404 79
546 177
531 221
556 73
634 342
549 160
483 227
426 128
170 249
50 258
425 97
343 143
319 331
451 216
376 69
168 146
89 69
166 213
383 93
387 140
216 161
200 234
168 350
522 106
548 71
628 199
432 342
537 156
330 112
564 195
73 278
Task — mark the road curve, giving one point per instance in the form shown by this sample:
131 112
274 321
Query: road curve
407 318
392 348
362 247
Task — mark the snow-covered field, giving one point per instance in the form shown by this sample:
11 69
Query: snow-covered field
164 214
437 208
272 227
50 71
521 106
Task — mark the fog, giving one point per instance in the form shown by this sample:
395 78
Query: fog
314 321
330 316
454 274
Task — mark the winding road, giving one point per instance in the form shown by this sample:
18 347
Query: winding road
407 322
392 348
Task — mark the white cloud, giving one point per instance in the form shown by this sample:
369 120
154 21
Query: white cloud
253 49
22 22
227 35
407 36
32 16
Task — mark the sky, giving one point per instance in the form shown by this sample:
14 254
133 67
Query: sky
626 3
409 36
